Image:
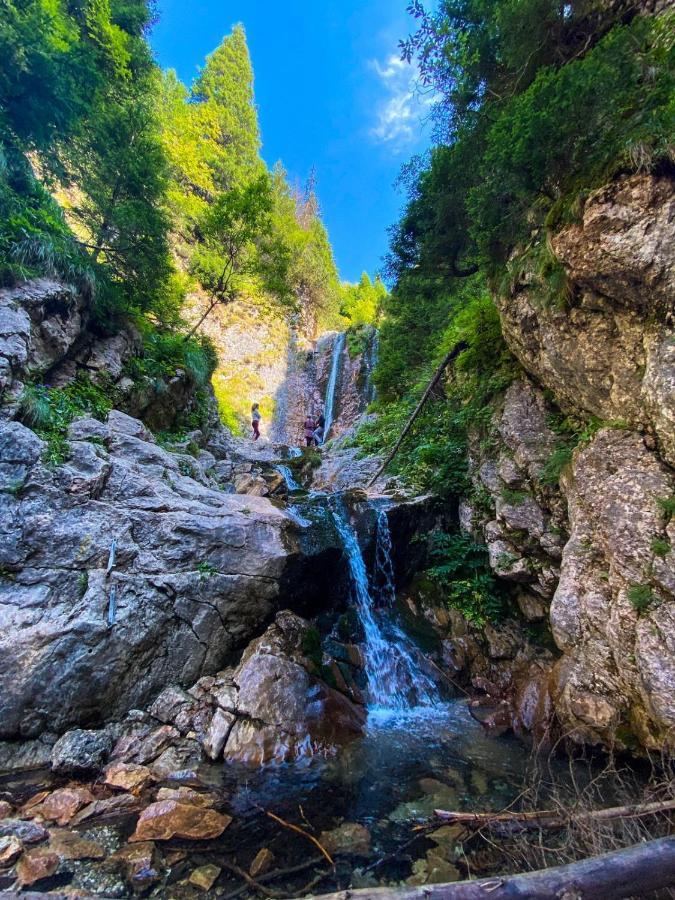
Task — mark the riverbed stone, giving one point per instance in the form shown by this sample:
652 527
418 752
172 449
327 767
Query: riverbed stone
35 865
11 848
28 832
166 819
205 877
262 862
127 776
61 805
139 864
71 845
348 839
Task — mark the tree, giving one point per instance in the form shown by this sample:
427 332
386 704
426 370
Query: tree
223 95
362 302
226 260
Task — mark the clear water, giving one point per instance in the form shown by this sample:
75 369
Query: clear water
395 679
329 405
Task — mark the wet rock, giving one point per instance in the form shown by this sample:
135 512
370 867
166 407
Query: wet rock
81 751
187 795
138 863
35 865
145 745
11 849
185 755
108 807
262 862
349 839
168 818
204 877
285 710
217 733
62 805
6 809
70 845
174 706
28 832
127 776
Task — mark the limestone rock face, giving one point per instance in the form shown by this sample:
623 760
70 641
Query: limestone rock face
196 572
523 536
613 613
39 324
611 353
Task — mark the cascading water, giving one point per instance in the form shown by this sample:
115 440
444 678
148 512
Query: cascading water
329 405
287 475
395 680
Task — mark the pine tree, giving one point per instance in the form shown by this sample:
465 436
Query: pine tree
225 102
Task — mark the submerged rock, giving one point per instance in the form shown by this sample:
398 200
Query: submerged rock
349 839
166 819
205 877
11 848
35 865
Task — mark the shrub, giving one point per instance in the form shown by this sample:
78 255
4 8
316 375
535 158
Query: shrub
641 596
462 569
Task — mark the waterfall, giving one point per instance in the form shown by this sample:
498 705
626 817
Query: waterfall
329 405
287 475
371 364
395 681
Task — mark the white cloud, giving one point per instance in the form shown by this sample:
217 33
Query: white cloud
399 114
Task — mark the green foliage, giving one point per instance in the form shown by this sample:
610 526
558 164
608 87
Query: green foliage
358 339
667 506
362 303
463 571
641 596
660 546
49 411
573 433
435 457
165 352
206 570
514 497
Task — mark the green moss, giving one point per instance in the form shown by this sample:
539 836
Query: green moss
312 647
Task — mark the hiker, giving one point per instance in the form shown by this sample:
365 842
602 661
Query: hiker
320 430
255 420
309 430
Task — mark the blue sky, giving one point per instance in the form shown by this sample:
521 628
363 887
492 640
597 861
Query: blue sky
331 92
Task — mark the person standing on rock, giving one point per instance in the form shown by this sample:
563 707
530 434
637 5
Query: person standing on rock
309 430
320 430
255 420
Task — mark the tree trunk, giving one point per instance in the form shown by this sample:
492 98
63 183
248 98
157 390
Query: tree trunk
633 872
549 818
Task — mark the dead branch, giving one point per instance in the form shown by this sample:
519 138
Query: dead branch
273 876
450 357
634 871
304 833
550 818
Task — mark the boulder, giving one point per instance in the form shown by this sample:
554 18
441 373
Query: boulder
81 751
349 839
284 710
196 574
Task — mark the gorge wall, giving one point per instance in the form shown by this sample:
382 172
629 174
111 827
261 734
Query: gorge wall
594 554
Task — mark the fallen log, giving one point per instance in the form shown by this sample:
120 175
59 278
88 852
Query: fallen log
633 872
450 357
549 818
